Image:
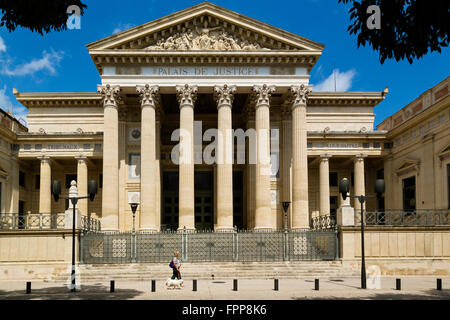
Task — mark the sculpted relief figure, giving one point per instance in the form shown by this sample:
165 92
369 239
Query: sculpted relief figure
204 39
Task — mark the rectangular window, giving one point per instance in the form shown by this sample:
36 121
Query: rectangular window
366 145
275 165
37 181
409 194
333 179
69 178
380 174
405 138
22 179
134 166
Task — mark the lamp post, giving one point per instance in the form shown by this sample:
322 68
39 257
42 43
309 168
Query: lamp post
286 247
285 209
73 197
344 188
133 206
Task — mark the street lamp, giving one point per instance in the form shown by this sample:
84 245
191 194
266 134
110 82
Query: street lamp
344 188
285 209
133 206
73 197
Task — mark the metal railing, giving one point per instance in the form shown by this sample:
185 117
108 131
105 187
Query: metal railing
323 222
42 221
204 246
404 218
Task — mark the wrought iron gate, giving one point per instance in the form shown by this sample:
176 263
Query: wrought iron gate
126 247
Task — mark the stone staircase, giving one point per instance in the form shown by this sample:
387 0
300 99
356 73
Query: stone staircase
220 270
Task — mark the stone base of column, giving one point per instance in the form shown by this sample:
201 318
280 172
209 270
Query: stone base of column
300 228
68 219
180 230
224 229
110 223
148 230
263 229
345 216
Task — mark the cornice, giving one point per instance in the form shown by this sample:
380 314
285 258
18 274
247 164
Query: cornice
356 99
55 99
141 56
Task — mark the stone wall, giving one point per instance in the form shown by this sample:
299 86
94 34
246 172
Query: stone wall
398 250
21 246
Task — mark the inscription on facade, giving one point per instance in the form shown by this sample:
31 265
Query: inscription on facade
218 70
62 146
205 71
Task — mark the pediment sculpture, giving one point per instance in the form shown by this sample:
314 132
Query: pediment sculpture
205 39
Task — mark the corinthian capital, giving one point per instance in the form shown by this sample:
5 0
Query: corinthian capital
261 94
298 95
149 95
186 94
109 94
224 95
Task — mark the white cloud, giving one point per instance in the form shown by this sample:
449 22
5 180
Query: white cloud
343 81
122 27
18 111
2 45
47 62
5 101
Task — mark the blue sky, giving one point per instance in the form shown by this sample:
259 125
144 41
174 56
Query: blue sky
59 61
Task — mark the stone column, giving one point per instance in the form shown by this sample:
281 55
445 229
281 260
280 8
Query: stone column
324 185
110 198
186 98
250 172
300 210
286 157
158 176
359 183
82 184
13 194
388 174
45 193
263 210
224 99
149 100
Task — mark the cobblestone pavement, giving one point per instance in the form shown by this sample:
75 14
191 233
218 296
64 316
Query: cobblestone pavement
289 289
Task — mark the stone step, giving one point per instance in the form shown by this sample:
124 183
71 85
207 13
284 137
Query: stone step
204 270
203 277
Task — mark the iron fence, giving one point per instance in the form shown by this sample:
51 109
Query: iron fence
404 218
42 221
202 246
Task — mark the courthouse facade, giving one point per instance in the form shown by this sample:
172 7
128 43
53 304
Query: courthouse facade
207 67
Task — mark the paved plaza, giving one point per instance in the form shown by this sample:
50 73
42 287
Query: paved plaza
422 288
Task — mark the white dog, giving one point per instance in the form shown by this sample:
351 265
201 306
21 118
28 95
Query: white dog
175 283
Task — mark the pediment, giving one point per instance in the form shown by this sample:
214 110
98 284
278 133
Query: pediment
407 166
206 27
445 153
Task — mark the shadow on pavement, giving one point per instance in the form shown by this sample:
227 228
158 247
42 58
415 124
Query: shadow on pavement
87 292
373 295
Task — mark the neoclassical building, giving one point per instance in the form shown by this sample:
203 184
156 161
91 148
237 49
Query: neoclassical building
208 67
